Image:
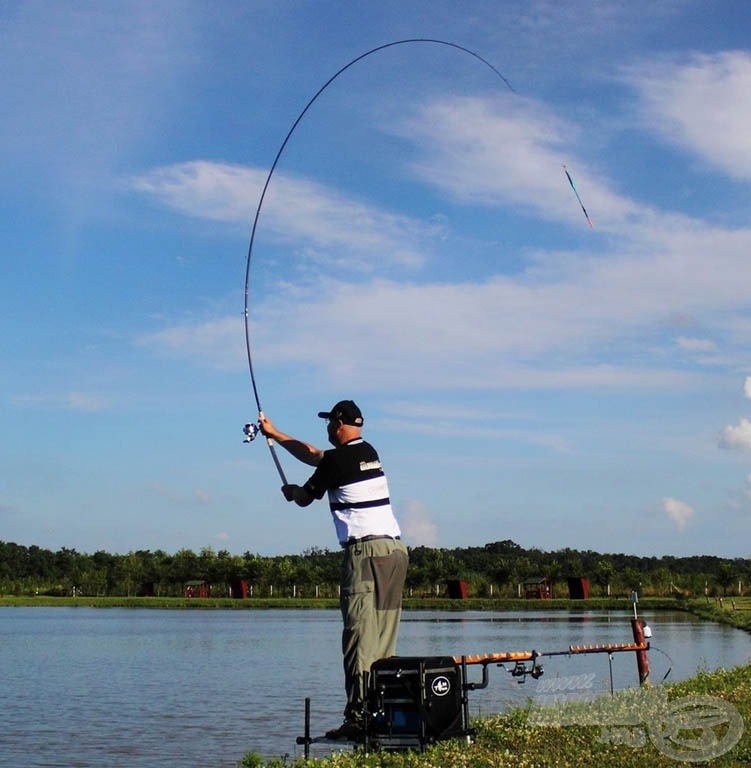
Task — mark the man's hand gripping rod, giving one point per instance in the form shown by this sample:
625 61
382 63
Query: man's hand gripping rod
251 432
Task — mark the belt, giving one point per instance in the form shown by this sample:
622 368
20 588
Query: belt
352 540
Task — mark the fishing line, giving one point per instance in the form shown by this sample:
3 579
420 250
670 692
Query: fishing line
251 430
670 661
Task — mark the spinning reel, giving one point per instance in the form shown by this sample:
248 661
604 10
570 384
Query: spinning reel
251 432
535 670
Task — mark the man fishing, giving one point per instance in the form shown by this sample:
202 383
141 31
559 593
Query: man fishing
375 559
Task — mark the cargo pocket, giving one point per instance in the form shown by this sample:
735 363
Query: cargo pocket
357 576
388 574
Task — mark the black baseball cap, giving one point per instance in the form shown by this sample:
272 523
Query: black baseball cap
345 411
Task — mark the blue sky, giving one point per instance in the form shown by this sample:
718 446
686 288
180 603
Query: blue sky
523 376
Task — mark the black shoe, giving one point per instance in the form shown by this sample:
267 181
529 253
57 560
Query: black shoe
349 730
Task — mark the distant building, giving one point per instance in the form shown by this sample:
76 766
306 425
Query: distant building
239 589
578 588
457 589
538 588
197 589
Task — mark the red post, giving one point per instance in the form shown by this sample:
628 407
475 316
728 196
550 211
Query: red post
642 660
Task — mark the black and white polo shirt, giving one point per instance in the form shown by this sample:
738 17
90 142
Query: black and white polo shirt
358 491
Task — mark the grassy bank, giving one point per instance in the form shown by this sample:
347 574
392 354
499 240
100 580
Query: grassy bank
631 741
410 604
168 603
509 741
735 612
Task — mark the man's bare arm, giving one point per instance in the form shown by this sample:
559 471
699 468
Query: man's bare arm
304 452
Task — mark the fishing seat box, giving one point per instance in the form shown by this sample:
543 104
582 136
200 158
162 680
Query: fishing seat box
414 701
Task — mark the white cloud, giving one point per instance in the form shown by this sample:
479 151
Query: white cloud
485 331
510 151
197 497
205 190
739 500
678 511
703 105
86 401
542 327
737 437
565 316
418 525
294 210
216 343
695 345
75 400
747 387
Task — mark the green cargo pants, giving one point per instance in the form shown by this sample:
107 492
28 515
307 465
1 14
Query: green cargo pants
373 577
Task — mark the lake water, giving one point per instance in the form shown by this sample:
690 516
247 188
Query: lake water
87 688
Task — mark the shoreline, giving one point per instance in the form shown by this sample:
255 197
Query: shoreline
291 603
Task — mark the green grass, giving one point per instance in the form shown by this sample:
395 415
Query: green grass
192 603
509 741
733 611
410 604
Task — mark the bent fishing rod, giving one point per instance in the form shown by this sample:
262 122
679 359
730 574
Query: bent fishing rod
251 430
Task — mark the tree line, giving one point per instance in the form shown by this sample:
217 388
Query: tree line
497 569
